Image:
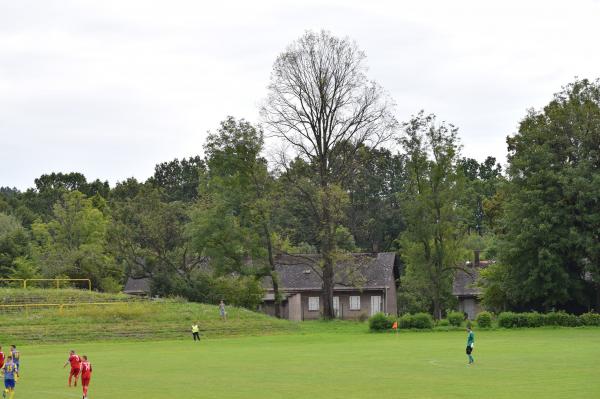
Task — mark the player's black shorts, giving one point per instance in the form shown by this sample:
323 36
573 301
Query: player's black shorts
469 349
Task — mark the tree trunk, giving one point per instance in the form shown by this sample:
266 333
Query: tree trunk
437 308
597 305
327 252
274 274
275 278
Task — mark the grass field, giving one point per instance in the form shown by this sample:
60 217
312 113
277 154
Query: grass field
123 318
323 362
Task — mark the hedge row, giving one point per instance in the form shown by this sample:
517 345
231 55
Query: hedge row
535 319
381 322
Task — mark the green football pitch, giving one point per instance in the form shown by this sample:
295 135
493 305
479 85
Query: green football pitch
529 363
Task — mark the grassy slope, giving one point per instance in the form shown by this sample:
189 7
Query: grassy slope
549 363
134 320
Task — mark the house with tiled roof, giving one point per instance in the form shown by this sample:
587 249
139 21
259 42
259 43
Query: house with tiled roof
465 286
365 284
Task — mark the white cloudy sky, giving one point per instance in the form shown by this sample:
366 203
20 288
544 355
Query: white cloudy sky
112 87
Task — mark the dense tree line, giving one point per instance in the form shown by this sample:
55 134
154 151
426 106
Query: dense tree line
209 227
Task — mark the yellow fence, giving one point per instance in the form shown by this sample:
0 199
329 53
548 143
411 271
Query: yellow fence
56 281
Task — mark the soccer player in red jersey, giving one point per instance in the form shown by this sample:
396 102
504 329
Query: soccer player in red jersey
75 366
86 374
1 358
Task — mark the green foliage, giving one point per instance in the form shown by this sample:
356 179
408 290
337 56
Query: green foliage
442 323
344 239
432 245
232 221
507 320
73 242
456 318
535 319
241 291
418 321
590 319
409 299
482 181
178 180
494 283
532 319
14 245
561 319
380 322
405 321
149 236
373 213
549 239
25 268
484 319
422 321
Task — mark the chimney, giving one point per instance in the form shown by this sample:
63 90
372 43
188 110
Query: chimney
476 258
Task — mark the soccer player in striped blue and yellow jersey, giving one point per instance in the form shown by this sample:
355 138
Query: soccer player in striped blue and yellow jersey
16 355
11 373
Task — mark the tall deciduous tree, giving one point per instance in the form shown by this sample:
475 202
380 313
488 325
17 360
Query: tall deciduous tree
14 244
149 236
550 244
73 243
323 106
432 245
237 197
179 179
482 183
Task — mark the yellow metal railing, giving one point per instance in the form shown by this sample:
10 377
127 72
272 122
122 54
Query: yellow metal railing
55 280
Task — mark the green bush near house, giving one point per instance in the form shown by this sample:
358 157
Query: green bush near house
422 321
456 318
590 319
562 319
484 320
442 323
380 322
507 320
405 321
532 319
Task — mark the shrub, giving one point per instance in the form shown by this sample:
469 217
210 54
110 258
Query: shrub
443 323
456 318
590 319
507 320
422 321
484 319
532 319
380 322
561 319
363 317
406 321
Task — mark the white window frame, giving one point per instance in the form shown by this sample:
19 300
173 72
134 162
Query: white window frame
336 306
355 302
377 307
313 303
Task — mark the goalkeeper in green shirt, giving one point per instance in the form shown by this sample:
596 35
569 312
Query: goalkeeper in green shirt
470 344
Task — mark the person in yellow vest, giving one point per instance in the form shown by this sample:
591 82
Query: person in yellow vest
196 331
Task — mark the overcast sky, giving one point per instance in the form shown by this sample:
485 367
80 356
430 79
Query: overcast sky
110 88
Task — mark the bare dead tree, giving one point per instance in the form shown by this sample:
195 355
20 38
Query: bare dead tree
321 103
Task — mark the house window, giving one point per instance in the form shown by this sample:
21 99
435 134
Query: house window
355 303
313 303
